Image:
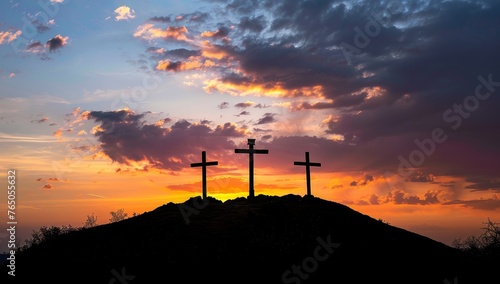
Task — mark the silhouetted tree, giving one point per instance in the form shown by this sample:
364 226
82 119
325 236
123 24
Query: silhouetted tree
118 215
91 221
46 233
486 245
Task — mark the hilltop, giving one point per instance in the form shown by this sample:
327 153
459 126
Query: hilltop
266 239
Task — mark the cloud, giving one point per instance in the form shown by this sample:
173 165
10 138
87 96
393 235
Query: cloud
220 33
382 99
483 184
267 118
41 120
160 19
374 199
259 105
419 176
400 197
253 24
49 179
195 17
8 37
126 138
58 133
124 13
480 204
35 47
56 43
368 178
243 113
244 105
43 27
223 105
149 32
47 186
193 63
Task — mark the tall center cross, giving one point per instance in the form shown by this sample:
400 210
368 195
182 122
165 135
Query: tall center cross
308 165
203 166
250 151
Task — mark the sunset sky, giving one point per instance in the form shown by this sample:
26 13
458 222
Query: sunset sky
105 104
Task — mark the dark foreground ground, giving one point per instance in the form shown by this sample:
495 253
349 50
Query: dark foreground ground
267 239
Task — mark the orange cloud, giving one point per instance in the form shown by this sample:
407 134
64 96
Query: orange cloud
193 63
149 32
7 37
208 34
211 51
47 186
255 89
58 133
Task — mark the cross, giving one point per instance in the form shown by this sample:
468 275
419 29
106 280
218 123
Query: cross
250 152
203 166
308 165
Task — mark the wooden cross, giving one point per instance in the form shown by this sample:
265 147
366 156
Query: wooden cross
250 152
203 166
308 164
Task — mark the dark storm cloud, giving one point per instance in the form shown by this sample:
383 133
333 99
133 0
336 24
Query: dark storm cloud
483 184
417 61
254 24
482 204
389 75
116 116
182 53
125 137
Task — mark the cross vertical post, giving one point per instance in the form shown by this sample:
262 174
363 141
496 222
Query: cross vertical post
250 151
308 165
203 166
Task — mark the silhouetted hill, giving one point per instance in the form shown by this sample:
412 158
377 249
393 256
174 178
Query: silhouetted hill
247 241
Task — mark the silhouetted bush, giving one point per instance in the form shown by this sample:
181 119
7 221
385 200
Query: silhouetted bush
47 233
91 221
118 215
485 246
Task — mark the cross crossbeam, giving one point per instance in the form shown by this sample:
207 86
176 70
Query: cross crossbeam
251 151
308 165
203 166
